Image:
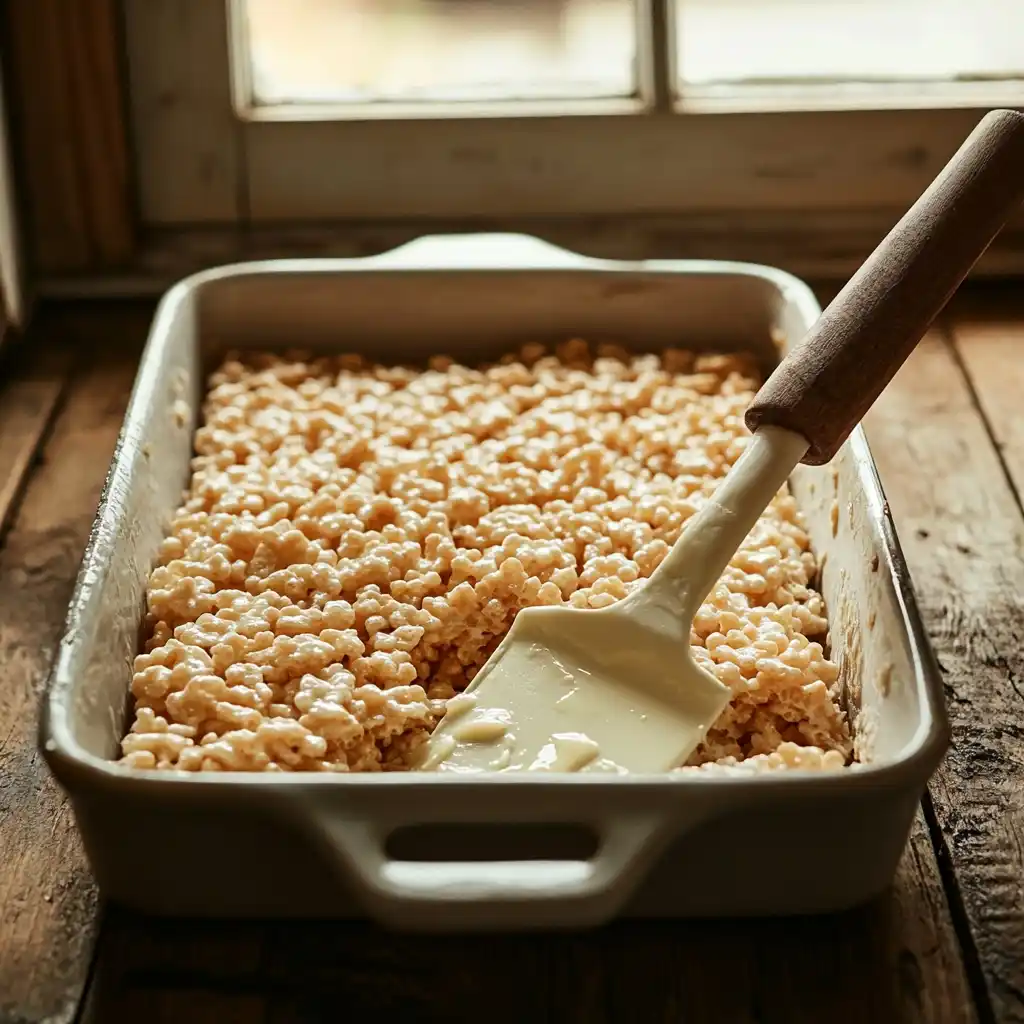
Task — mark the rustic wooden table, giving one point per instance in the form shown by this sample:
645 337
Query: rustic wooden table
945 944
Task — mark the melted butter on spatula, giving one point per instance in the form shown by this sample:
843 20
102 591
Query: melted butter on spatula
540 705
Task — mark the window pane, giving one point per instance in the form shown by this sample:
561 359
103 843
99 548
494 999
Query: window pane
848 40
359 51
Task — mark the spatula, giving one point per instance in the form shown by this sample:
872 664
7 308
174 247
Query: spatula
617 688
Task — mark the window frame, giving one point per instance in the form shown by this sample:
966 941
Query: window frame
200 162
653 25
811 190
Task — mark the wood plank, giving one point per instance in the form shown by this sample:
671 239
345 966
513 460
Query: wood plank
69 129
47 899
194 1005
188 140
28 402
963 534
990 346
152 970
599 164
924 952
815 246
991 349
894 961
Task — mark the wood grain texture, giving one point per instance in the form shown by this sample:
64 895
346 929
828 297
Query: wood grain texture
47 900
612 165
991 349
823 387
69 129
28 401
963 535
895 961
152 971
815 246
187 139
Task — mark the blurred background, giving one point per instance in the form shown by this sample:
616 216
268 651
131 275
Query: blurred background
314 51
151 138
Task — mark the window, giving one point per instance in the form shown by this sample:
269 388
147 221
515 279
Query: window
895 52
364 53
714 127
372 53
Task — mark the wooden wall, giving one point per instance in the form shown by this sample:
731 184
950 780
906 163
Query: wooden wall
63 62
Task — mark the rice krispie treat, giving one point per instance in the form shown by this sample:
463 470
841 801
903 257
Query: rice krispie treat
357 539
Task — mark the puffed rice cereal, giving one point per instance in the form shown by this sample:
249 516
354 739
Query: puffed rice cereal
357 538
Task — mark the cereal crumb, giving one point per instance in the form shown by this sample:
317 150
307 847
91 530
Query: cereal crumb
181 413
785 757
356 539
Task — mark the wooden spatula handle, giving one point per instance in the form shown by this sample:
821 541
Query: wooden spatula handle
827 383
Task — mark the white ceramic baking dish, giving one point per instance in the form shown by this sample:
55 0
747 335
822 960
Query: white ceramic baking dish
443 852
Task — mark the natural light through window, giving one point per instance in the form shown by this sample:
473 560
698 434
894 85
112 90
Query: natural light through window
300 53
408 51
742 41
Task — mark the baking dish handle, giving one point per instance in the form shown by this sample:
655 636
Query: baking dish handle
480 252
487 894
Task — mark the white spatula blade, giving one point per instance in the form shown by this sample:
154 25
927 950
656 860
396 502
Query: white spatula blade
544 703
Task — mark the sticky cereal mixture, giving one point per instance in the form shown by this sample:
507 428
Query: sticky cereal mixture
357 539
